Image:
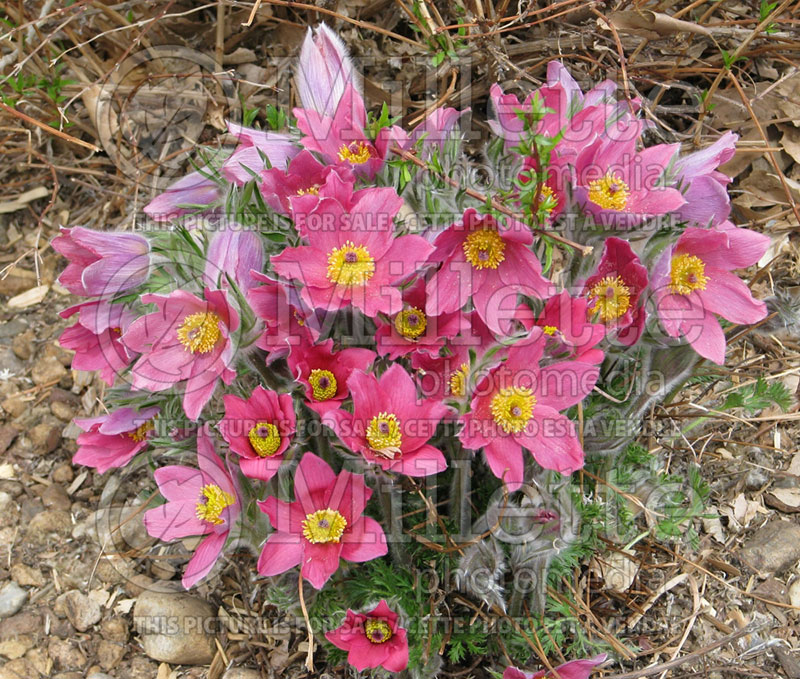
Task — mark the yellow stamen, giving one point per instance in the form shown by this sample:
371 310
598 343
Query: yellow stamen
411 323
609 192
612 298
550 330
312 190
350 265
484 249
356 152
458 381
199 332
213 500
323 526
265 439
384 435
377 631
323 384
140 433
687 273
512 408
547 199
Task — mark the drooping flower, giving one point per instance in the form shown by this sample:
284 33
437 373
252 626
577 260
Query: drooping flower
438 127
102 264
353 257
187 340
96 338
202 501
488 261
186 195
247 161
517 405
115 439
692 283
325 523
412 330
372 639
235 252
324 70
567 330
390 425
259 429
574 669
614 291
324 372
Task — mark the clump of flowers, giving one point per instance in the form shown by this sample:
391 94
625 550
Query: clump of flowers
328 364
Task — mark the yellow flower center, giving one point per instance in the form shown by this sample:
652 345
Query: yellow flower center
458 381
213 500
550 330
350 265
484 249
199 332
609 192
547 199
384 435
323 384
612 298
313 190
356 152
377 631
324 525
411 323
140 433
687 273
265 439
512 408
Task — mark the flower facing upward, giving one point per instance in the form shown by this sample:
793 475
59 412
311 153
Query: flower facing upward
372 639
259 430
115 439
323 524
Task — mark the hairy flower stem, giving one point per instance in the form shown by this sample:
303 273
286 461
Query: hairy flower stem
389 496
460 487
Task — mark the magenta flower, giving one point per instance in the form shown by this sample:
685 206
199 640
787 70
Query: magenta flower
202 501
187 340
233 252
437 127
115 439
102 264
693 281
566 329
373 639
325 523
412 330
96 338
488 261
517 406
615 289
390 425
324 372
186 195
574 669
258 429
247 161
353 257
323 71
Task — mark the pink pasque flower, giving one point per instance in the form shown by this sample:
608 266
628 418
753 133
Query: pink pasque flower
412 330
235 252
186 340
247 161
437 128
258 429
324 372
692 281
574 669
102 264
615 289
488 261
390 425
372 639
567 331
96 338
517 406
115 439
186 195
353 257
325 523
202 501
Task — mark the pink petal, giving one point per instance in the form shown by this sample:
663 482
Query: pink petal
364 541
280 553
205 556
